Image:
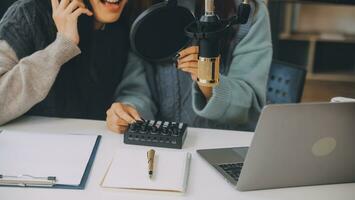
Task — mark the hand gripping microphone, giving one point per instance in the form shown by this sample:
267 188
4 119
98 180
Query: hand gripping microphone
208 31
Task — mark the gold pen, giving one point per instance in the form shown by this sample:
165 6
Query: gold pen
150 157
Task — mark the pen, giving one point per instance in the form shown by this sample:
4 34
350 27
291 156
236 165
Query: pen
150 157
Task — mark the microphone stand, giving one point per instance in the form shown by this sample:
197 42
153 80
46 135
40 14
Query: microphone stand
209 30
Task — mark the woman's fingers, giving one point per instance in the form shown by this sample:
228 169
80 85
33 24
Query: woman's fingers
188 58
188 61
189 67
116 128
190 64
134 113
114 123
122 129
109 118
188 51
119 116
81 11
116 120
120 110
55 4
192 71
73 6
65 16
63 4
125 116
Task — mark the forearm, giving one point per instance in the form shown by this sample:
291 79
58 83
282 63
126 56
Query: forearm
223 106
26 82
206 91
238 94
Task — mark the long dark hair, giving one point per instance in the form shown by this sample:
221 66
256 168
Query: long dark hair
108 47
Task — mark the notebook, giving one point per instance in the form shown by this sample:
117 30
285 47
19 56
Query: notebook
129 170
31 157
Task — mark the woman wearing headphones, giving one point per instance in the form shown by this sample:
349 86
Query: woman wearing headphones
70 58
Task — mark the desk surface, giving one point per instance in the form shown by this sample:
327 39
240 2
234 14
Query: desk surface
204 182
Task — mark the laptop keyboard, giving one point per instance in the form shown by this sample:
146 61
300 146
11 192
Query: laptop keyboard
232 169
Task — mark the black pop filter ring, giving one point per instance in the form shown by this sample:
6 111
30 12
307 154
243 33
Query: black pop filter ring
158 33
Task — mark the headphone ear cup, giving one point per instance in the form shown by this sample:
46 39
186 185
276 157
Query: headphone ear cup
244 10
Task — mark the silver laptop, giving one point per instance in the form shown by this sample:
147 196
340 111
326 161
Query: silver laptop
293 145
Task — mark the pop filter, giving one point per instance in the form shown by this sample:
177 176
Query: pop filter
158 33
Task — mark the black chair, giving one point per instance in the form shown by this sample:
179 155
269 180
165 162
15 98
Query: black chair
285 84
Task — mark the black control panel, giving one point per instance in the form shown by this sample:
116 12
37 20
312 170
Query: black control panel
156 133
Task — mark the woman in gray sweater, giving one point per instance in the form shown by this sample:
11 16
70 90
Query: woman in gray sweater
241 94
70 58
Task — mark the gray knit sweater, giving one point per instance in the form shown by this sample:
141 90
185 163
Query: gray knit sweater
238 99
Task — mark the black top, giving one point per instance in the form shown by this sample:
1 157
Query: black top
85 85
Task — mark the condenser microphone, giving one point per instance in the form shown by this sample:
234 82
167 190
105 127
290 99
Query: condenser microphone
209 47
208 31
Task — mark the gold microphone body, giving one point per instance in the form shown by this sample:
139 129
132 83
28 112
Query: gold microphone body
209 45
208 71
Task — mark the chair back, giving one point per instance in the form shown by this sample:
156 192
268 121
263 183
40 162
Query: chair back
285 84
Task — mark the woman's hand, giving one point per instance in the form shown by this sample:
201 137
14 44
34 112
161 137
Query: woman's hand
187 62
119 116
65 16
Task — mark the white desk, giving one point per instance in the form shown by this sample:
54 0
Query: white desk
204 182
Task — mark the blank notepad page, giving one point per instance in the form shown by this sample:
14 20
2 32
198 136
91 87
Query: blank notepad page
129 170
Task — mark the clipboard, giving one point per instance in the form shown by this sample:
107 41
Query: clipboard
27 180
